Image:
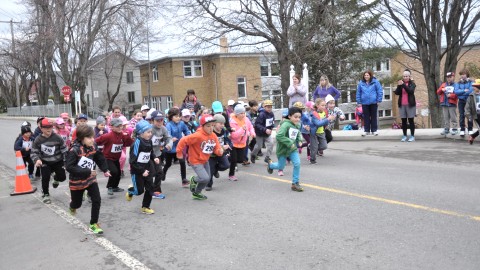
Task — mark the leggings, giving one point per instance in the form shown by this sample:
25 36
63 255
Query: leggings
411 123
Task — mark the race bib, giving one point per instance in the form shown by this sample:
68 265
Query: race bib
64 137
27 144
86 163
449 89
143 157
208 148
293 133
100 147
47 150
157 140
269 122
117 148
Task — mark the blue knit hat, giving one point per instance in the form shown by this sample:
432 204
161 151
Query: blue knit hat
285 112
217 107
142 126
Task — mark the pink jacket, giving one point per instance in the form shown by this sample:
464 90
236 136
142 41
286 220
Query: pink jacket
239 136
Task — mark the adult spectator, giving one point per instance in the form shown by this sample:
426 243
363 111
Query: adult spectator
463 89
325 88
297 91
192 99
407 104
369 94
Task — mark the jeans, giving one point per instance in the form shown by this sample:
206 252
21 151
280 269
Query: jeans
294 159
370 117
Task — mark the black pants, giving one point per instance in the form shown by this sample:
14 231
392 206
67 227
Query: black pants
159 176
46 172
370 116
94 193
114 168
411 123
29 163
236 156
168 162
217 164
461 118
144 185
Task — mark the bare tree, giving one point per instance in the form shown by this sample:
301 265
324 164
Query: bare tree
420 27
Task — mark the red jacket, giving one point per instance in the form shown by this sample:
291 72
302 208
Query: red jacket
452 99
113 143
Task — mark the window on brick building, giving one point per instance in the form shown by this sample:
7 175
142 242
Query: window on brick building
129 76
242 87
192 68
155 74
131 97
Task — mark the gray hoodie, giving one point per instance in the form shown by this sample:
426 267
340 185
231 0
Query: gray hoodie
160 139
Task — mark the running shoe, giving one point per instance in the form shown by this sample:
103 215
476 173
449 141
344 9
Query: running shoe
96 229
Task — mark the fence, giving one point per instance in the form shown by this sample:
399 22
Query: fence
40 110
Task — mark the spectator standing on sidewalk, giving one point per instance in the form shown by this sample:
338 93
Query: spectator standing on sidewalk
448 102
463 89
297 91
472 109
407 104
325 88
369 95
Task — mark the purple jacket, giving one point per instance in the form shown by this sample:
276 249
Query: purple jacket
321 92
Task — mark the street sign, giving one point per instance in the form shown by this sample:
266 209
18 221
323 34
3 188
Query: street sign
66 90
66 98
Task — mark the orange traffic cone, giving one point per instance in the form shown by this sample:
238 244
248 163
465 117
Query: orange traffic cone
22 181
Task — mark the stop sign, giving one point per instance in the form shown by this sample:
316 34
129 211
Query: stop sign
66 90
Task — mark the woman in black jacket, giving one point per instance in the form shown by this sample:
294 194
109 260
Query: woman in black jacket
407 104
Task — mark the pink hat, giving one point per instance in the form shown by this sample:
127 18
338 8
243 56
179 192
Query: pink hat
64 115
59 121
124 120
309 104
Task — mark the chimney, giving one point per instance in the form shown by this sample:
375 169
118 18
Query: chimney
223 44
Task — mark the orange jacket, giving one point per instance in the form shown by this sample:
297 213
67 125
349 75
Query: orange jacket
200 146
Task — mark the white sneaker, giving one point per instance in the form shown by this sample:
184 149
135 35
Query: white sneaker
470 132
365 134
375 133
462 133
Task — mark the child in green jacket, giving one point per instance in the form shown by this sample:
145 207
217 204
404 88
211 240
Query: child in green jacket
288 137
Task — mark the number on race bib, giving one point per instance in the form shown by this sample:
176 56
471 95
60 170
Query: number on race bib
117 148
293 133
143 157
86 163
48 150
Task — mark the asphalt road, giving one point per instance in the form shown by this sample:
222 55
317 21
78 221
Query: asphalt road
367 205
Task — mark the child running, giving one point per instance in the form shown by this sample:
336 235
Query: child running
177 129
62 130
161 139
317 132
201 145
288 137
113 143
264 125
219 163
81 163
24 145
48 153
142 167
242 128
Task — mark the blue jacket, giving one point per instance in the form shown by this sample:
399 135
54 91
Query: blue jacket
460 88
306 120
176 131
19 146
261 123
316 123
371 93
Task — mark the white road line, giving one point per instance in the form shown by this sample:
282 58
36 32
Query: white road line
119 253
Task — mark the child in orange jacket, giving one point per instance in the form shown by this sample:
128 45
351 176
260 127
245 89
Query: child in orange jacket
201 145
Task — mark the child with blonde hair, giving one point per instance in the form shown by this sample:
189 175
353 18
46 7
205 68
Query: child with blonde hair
320 120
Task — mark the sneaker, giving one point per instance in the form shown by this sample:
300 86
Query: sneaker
404 139
31 177
128 196
297 187
96 229
313 161
246 163
280 173
232 178
110 191
147 211
269 161
454 132
365 134
260 154
46 199
185 183
73 211
375 133
462 133
470 132
193 184
117 189
253 158
445 132
320 153
216 174
208 188
55 183
198 196
158 195
470 140
411 139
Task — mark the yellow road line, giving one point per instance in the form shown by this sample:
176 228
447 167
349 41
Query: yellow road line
378 199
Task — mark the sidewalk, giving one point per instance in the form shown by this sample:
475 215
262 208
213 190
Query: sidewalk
338 135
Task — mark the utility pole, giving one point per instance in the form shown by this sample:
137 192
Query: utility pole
14 57
148 56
